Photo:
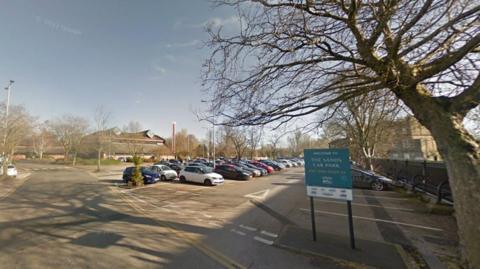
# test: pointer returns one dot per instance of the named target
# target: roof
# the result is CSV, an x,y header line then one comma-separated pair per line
x,y
142,137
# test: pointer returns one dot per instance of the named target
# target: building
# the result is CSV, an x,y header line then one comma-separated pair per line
x,y
113,143
409,140
116,144
412,141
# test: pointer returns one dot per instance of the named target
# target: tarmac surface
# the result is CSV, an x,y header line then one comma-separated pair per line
x,y
62,216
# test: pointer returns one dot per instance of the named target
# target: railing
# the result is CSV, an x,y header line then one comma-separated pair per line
x,y
419,183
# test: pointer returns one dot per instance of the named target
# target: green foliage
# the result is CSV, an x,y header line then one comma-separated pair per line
x,y
137,178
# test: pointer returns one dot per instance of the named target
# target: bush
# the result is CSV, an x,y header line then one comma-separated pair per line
x,y
137,178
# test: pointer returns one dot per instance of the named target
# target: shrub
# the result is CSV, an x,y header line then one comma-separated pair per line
x,y
137,178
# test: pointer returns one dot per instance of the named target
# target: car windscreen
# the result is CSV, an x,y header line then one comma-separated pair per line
x,y
147,170
165,168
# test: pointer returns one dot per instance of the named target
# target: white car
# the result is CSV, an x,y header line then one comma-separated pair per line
x,y
11,170
165,172
285,162
200,175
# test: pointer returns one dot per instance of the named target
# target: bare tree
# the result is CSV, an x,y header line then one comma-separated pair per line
x,y
15,129
69,131
41,139
254,136
236,135
366,122
274,144
297,142
103,134
291,58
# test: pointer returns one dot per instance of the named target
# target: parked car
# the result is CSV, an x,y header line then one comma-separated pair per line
x,y
276,166
368,179
200,175
262,165
285,162
166,173
11,170
176,167
263,171
149,176
255,171
232,172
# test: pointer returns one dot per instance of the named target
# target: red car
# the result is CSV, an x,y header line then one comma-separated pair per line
x,y
262,165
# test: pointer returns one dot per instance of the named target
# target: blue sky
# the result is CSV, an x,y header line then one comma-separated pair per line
x,y
140,59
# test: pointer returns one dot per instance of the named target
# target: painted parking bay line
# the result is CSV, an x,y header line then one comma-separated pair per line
x,y
247,227
218,256
263,240
238,232
261,195
376,220
269,234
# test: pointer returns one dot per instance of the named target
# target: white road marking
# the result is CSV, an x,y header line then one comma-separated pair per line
x,y
238,232
259,194
269,234
207,216
380,197
247,227
377,220
367,205
263,240
293,181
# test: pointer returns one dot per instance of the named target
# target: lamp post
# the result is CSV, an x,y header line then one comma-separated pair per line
x,y
213,131
5,125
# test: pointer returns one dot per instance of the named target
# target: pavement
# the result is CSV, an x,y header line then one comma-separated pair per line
x,y
81,219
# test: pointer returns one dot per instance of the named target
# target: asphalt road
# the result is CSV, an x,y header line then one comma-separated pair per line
x,y
64,217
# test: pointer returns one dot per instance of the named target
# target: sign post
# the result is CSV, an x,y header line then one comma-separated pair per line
x,y
328,175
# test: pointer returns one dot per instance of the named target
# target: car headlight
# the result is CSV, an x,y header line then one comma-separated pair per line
x,y
147,176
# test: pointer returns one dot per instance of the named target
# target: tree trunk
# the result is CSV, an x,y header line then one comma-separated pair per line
x,y
99,152
462,156
461,153
74,161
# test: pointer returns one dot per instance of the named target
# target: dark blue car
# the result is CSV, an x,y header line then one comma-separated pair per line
x,y
149,176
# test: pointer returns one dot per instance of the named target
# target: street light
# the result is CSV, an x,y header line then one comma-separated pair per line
x,y
5,124
213,131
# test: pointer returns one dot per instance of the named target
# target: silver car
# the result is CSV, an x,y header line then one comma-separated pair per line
x,y
166,173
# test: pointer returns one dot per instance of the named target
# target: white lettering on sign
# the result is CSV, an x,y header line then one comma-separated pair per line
x,y
336,193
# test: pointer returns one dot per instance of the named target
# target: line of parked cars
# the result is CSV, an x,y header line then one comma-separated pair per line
x,y
205,172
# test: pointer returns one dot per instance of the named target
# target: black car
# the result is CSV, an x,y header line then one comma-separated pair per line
x,y
276,166
176,167
368,179
232,172
149,176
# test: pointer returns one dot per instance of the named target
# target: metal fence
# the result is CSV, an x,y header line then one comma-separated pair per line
x,y
423,176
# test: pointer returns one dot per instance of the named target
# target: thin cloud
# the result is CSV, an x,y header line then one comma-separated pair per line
x,y
191,43
232,21
58,26
159,71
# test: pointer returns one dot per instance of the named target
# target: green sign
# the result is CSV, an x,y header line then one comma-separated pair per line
x,y
328,174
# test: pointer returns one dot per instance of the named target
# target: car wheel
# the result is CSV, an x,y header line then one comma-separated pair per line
x,y
163,178
207,182
182,179
377,186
